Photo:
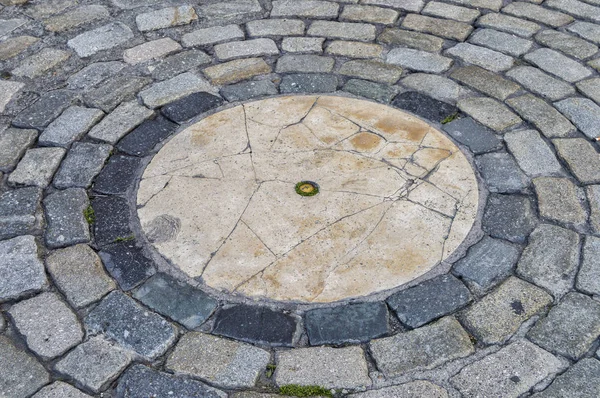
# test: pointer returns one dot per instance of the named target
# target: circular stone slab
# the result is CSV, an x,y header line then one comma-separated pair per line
x,y
395,197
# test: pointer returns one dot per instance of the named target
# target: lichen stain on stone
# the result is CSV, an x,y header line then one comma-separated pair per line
x,y
162,228
365,141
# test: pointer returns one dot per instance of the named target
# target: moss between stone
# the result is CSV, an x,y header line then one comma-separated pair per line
x,y
124,239
295,390
450,118
89,214
270,370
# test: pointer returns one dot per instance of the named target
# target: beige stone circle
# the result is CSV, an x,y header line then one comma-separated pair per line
x,y
396,197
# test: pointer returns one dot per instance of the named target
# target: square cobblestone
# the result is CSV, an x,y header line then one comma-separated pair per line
x,y
165,18
178,87
94,74
13,144
237,70
65,217
306,9
20,374
70,126
424,348
82,163
121,319
509,24
44,110
560,200
583,112
122,120
127,264
49,326
103,38
112,92
532,153
485,81
308,63
558,65
446,28
509,217
179,63
323,366
588,279
501,173
79,274
213,35
438,87
246,48
37,167
247,90
375,91
500,41
417,60
568,44
541,83
481,56
342,30
489,112
406,38
581,157
542,115
570,328
20,212
478,138
488,262
20,267
582,380
59,389
308,83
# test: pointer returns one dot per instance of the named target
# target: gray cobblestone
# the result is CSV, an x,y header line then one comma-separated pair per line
x,y
66,222
586,30
541,83
76,17
480,56
121,121
582,380
489,4
501,41
508,373
445,340
566,43
323,366
104,38
416,40
20,212
13,144
151,50
40,63
372,70
342,30
47,108
114,91
591,88
354,49
214,35
418,60
551,258
369,14
70,126
308,83
443,10
14,46
478,138
233,364
418,388
179,63
577,8
593,196
94,363
570,327
547,119
437,87
514,302
79,274
49,326
180,86
305,8
248,48
533,155
488,262
583,112
8,25
407,5
21,269
275,27
501,173
485,81
304,64
20,374
509,217
595,64
558,65
509,24
489,112
37,167
537,13
94,74
438,27
165,18
581,157
234,11
237,70
59,389
82,163
375,91
588,279
303,44
560,200
247,90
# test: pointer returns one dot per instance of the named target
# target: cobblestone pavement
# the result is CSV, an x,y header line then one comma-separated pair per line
x,y
89,89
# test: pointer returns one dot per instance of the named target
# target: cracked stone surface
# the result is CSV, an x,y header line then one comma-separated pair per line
x,y
259,236
91,90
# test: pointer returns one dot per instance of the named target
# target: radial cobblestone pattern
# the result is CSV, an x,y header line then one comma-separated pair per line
x,y
395,198
92,90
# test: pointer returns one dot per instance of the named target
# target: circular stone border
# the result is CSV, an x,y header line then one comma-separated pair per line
x,y
138,268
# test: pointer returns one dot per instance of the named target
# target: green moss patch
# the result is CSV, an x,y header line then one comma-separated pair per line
x,y
295,390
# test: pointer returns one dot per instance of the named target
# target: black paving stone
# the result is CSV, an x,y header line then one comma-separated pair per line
x,y
118,176
126,264
430,300
45,110
256,325
424,106
140,381
111,219
133,327
488,262
247,90
509,217
142,140
20,212
179,301
348,323
308,83
190,106
468,132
